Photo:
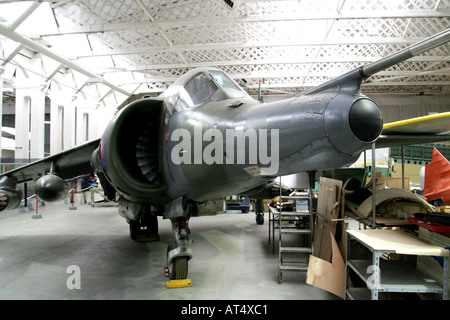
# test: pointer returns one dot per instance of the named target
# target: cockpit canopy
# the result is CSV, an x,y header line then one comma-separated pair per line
x,y
200,86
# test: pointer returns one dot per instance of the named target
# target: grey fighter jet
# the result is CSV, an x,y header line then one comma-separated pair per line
x,y
180,154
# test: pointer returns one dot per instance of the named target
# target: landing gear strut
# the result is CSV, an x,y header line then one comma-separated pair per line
x,y
179,251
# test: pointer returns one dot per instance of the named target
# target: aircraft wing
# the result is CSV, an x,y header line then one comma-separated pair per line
x,y
427,129
67,164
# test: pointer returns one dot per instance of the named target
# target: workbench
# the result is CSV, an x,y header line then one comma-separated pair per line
x,y
383,275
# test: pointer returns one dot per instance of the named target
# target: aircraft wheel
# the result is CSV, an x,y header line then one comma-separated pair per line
x,y
178,268
260,218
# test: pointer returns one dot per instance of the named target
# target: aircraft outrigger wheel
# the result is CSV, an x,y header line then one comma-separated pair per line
x,y
259,210
259,217
179,252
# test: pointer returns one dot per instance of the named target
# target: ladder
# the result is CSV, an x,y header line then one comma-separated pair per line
x,y
299,222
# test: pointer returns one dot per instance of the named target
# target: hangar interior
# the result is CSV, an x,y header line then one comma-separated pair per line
x,y
67,67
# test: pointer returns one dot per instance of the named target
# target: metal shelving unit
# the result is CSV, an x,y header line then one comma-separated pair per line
x,y
383,276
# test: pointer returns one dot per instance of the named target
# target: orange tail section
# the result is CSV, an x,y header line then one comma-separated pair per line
x,y
437,178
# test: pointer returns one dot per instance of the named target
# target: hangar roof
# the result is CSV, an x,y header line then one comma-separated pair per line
x,y
142,46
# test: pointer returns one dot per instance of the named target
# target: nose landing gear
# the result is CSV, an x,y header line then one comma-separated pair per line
x,y
179,252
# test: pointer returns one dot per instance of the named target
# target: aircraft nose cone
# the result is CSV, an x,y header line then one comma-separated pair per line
x,y
366,120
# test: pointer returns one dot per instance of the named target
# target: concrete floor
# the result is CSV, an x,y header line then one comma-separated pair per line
x,y
232,258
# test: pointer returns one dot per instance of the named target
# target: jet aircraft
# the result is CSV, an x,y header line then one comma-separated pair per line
x,y
180,154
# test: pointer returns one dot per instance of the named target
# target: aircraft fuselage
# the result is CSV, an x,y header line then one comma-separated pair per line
x,y
205,138
300,134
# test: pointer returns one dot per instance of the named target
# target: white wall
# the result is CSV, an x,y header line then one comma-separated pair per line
x,y
76,116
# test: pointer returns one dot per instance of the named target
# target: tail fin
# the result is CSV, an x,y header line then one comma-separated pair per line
x,y
352,80
437,178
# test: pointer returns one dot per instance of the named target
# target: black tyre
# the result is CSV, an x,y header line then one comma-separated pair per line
x,y
260,218
178,270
